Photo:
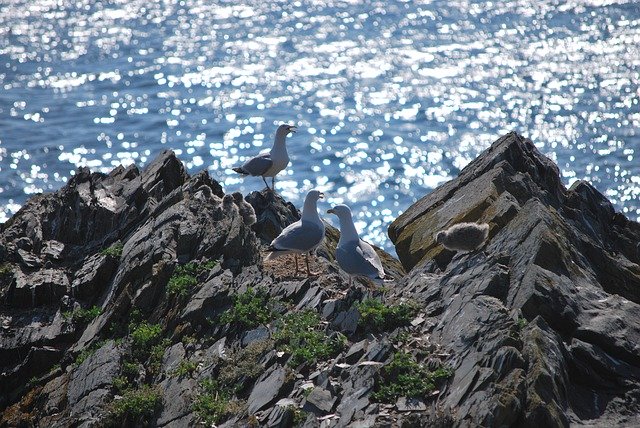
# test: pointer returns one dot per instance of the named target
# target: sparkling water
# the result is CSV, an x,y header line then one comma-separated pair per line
x,y
392,98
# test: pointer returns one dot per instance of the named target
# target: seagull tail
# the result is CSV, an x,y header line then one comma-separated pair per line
x,y
239,170
273,253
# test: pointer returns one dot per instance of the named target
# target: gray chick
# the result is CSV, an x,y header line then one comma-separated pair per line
x,y
464,237
246,210
228,205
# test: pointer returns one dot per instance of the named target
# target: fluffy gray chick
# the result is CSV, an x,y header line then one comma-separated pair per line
x,y
246,210
228,206
464,237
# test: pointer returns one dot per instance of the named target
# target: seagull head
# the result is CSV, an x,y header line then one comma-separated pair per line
x,y
440,236
314,195
285,129
237,196
342,211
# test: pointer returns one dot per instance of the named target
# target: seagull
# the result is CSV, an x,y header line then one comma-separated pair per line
x,y
463,237
355,257
246,210
271,163
303,236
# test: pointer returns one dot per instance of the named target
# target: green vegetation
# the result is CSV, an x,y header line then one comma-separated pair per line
x,y
214,403
144,337
121,384
243,366
82,316
186,367
115,250
250,309
377,317
184,277
299,334
138,405
404,377
299,416
5,270
521,323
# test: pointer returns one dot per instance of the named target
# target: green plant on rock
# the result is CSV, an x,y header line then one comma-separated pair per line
x,y
185,367
137,406
300,334
82,316
115,250
214,402
250,309
185,277
405,377
144,337
5,270
377,317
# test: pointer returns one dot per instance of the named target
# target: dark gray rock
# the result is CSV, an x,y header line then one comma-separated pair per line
x,y
356,351
89,389
256,335
267,389
43,287
320,401
93,277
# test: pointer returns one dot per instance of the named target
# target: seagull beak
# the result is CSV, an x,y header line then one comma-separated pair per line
x,y
321,195
293,129
330,211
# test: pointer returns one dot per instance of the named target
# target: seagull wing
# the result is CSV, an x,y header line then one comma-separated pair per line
x,y
299,236
369,255
257,165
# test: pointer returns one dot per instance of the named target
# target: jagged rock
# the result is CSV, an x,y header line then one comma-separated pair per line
x,y
89,389
405,404
93,277
539,327
43,287
267,388
556,257
319,401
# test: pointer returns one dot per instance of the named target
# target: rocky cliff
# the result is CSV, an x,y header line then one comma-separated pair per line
x,y
134,299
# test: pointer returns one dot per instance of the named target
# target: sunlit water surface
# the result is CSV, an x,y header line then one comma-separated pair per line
x,y
392,98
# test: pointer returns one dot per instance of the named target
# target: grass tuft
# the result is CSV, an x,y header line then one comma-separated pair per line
x,y
375,316
138,405
185,277
300,334
115,250
404,377
250,309
82,316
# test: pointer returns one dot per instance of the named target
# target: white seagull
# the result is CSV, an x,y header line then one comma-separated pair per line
x,y
303,236
271,163
355,257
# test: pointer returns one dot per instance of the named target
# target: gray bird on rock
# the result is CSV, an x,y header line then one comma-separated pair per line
x,y
355,257
246,210
463,237
271,163
303,236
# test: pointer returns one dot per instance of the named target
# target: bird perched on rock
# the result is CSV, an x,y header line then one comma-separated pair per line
x,y
246,210
271,163
464,237
229,206
355,257
303,236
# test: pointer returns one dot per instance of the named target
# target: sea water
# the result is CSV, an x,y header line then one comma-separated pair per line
x,y
392,98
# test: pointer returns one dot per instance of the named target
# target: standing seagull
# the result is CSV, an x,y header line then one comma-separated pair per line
x,y
463,237
246,209
355,256
303,236
271,163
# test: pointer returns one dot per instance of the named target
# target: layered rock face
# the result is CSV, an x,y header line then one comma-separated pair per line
x,y
135,299
543,323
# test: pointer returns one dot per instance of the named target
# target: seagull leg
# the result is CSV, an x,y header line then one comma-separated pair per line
x,y
265,182
295,256
273,183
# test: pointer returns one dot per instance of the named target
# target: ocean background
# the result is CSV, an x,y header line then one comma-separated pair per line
x,y
392,98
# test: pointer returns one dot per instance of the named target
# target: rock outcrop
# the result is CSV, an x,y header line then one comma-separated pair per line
x,y
135,299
